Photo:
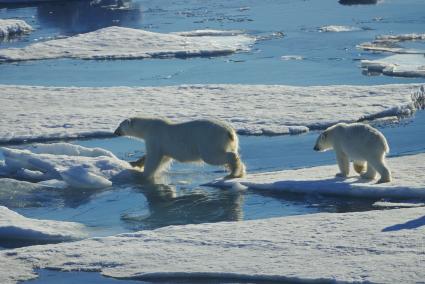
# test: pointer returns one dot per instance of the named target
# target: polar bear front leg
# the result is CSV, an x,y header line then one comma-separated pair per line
x,y
359,166
343,164
152,164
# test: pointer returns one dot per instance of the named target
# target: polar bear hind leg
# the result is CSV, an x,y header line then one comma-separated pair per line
x,y
382,169
359,166
236,167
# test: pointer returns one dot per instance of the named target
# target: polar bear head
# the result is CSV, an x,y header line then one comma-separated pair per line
x,y
323,142
140,127
126,128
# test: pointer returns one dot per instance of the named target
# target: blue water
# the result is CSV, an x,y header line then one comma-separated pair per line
x,y
329,58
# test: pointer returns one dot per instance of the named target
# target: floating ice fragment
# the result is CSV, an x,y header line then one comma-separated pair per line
x,y
12,27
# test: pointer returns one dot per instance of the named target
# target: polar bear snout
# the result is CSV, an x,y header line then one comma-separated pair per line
x,y
316,148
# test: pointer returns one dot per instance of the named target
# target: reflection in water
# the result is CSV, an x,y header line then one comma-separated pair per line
x,y
73,17
194,206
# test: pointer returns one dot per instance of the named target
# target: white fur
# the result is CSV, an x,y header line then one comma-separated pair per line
x,y
211,141
360,143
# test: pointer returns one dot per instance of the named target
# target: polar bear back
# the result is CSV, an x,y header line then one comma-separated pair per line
x,y
358,140
191,141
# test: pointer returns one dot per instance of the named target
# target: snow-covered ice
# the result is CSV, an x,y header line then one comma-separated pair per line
x,y
408,181
374,246
338,29
401,65
33,113
12,27
15,227
77,166
127,43
387,204
390,43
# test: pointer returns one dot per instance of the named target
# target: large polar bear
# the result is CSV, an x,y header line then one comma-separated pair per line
x,y
211,141
360,143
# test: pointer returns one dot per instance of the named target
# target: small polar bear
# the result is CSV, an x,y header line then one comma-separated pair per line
x,y
360,143
211,141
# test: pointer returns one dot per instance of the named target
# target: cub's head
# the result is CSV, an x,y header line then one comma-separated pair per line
x,y
125,128
323,142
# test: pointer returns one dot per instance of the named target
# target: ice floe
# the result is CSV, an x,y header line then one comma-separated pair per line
x,y
291,57
127,43
383,246
408,183
63,163
338,29
407,62
387,204
390,43
12,27
197,33
400,65
17,228
33,113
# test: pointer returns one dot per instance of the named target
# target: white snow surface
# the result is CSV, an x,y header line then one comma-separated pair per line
x,y
33,113
400,65
338,29
127,43
375,246
77,166
12,27
14,226
408,181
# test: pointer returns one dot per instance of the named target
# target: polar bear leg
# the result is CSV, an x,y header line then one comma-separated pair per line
x,y
370,173
343,164
382,169
140,163
153,164
237,168
359,166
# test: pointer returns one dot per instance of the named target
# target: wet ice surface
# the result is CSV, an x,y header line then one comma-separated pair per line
x,y
329,57
181,199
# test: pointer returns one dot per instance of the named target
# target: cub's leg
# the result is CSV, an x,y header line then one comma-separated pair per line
x,y
236,167
382,169
359,166
343,164
140,163
370,172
